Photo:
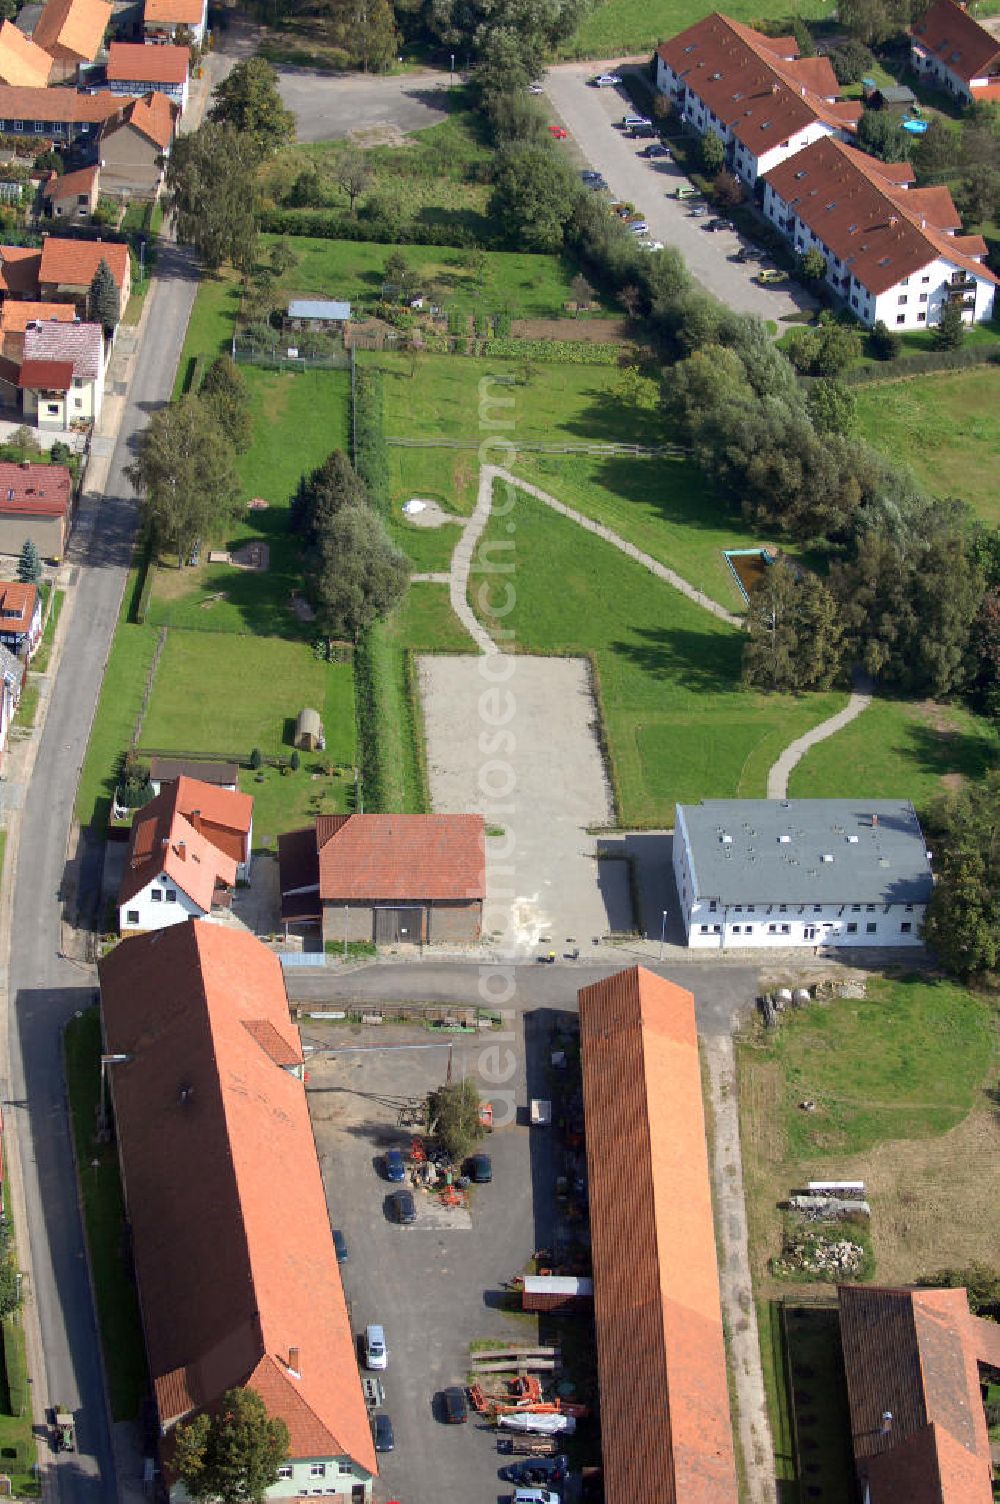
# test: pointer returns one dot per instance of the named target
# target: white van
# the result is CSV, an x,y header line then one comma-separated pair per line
x,y
636,122
376,1352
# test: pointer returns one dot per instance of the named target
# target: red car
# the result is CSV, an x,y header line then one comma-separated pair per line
x,y
559,132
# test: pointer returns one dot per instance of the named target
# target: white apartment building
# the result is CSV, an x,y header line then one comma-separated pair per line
x,y
952,51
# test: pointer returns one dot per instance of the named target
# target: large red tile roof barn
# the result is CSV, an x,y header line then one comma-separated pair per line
x,y
401,857
666,1433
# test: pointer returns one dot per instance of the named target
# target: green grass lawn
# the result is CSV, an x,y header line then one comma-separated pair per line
x,y
283,801
898,749
428,548
679,724
104,1221
213,318
298,418
618,27
40,661
224,695
947,427
117,709
904,1062
18,1448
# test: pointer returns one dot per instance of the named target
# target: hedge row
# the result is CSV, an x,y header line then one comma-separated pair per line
x,y
368,669
371,453
923,364
330,225
148,568
566,352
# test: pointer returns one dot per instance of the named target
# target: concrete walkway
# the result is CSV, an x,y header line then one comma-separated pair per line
x,y
861,698
738,1309
461,562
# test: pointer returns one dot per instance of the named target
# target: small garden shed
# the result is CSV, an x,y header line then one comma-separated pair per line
x,y
309,730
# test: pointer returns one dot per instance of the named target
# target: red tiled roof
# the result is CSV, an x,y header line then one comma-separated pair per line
x,y
163,841
957,41
36,490
231,1237
72,263
64,106
71,183
912,1354
17,605
762,93
134,62
22,61
881,232
661,1359
366,857
19,267
223,816
15,316
46,375
153,116
174,12
73,26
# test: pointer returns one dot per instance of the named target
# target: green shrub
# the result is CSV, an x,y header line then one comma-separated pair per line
x,y
557,351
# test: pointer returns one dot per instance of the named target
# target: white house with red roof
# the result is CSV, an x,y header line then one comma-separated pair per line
x,y
20,617
893,252
137,68
950,49
162,19
756,94
187,849
62,373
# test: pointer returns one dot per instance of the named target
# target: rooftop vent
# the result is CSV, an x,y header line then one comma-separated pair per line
x,y
784,840
828,856
726,839
852,840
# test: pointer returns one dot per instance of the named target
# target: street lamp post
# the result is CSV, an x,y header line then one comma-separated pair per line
x,y
452,80
663,933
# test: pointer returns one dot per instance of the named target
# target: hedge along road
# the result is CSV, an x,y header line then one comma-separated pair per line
x,y
592,117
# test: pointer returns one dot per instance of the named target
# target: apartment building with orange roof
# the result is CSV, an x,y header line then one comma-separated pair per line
x,y
230,1235
666,1432
893,252
950,49
755,93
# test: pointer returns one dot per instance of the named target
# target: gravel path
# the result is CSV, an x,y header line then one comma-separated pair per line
x,y
738,1307
861,698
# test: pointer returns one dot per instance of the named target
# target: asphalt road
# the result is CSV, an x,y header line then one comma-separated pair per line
x,y
593,118
328,106
45,990
720,992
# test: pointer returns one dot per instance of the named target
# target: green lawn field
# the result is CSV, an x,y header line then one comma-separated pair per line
x,y
679,724
222,695
117,709
947,427
620,27
898,749
299,417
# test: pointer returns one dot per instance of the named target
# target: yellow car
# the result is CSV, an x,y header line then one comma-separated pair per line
x,y
771,274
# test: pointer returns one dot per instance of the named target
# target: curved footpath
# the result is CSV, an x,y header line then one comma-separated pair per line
x,y
861,698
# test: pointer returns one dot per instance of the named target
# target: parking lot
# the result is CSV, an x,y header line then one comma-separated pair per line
x,y
435,1286
592,117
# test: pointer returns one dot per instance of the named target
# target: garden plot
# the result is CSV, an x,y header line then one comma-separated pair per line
x,y
538,779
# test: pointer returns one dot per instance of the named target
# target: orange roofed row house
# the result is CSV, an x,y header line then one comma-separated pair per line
x,y
666,1433
230,1235
755,93
187,849
950,49
71,32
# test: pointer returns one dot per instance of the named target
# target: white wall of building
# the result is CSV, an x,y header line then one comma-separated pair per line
x,y
156,913
913,303
329,1477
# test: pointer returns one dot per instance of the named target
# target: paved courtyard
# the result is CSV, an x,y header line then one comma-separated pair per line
x,y
524,754
329,106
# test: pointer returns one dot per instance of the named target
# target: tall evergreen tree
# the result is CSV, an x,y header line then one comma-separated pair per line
x,y
29,565
795,636
104,301
248,100
356,574
325,492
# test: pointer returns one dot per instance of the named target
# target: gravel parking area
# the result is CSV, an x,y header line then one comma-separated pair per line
x,y
328,106
592,117
540,789
432,1285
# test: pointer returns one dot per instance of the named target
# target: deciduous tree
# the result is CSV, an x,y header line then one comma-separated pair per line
x,y
534,195
324,492
356,574
248,100
373,36
211,190
234,1455
225,390
963,922
712,153
881,135
454,1114
832,406
353,173
185,474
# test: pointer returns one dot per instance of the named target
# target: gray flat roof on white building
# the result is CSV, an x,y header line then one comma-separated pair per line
x,y
806,851
318,308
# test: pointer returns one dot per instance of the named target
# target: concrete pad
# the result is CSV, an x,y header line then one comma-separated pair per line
x,y
514,739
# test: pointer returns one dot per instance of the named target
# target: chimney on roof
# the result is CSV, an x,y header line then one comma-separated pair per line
x,y
196,820
182,850
893,221
25,464
802,90
923,221
293,1362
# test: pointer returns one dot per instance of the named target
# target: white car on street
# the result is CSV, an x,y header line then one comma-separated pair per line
x,y
606,81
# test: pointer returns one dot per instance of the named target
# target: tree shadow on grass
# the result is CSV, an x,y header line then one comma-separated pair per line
x,y
704,662
942,751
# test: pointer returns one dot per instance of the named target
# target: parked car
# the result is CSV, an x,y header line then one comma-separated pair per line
x,y
655,149
686,190
588,175
558,132
639,227
699,211
340,1245
747,253
382,1432
402,1207
395,1168
770,275
480,1169
718,224
454,1405
376,1352
635,122
535,1496
538,1471
606,81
